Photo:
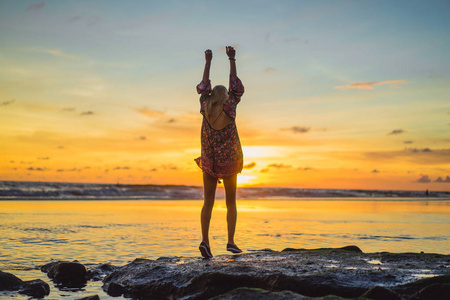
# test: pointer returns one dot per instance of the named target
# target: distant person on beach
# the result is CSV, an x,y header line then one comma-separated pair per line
x,y
221,148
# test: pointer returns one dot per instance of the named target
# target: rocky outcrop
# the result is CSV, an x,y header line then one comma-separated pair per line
x,y
66,274
344,272
35,288
9,282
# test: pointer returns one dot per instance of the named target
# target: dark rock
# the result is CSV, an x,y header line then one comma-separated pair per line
x,y
115,289
94,297
414,289
36,288
258,294
346,248
9,282
352,248
68,274
327,272
380,293
436,291
45,268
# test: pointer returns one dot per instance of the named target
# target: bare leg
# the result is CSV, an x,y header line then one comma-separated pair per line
x,y
230,192
209,189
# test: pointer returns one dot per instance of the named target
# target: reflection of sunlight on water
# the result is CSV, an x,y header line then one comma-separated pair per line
x,y
35,232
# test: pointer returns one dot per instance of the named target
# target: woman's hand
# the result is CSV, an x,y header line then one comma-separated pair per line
x,y
208,56
230,52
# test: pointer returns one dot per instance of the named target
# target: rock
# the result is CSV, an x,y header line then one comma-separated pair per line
x,y
68,274
346,248
352,248
436,291
380,293
94,297
9,282
115,289
258,294
326,272
418,289
36,288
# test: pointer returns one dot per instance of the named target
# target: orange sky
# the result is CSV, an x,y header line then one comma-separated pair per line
x,y
337,96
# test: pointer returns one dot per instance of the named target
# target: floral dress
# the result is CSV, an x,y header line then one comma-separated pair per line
x,y
221,149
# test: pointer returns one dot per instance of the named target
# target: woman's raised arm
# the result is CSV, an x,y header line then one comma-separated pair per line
x,y
208,58
231,56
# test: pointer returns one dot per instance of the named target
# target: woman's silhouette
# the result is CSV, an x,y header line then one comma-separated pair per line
x,y
221,149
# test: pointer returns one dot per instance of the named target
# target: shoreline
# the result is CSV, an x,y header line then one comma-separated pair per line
x,y
342,272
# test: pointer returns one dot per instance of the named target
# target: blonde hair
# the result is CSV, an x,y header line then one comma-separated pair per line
x,y
218,96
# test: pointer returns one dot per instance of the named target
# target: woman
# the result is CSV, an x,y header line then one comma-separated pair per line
x,y
221,149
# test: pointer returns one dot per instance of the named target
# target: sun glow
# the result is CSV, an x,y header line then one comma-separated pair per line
x,y
244,180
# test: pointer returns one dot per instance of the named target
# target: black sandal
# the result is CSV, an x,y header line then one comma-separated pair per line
x,y
205,251
233,248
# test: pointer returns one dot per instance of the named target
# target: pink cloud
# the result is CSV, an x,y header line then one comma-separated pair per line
x,y
370,85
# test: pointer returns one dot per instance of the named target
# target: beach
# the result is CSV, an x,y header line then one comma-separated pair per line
x,y
35,233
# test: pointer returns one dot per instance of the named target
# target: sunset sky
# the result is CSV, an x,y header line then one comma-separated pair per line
x,y
339,94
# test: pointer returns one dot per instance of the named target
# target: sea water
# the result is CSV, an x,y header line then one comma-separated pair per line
x,y
33,233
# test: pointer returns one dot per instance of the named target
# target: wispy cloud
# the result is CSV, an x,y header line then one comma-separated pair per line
x,y
87,113
149,112
250,165
370,85
408,142
298,129
121,168
69,170
396,131
275,166
35,6
375,171
7,102
56,52
37,169
270,70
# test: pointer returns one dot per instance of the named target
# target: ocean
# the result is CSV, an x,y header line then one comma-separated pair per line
x,y
97,230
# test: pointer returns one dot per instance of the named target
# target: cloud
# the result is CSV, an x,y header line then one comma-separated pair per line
x,y
68,109
86,113
60,147
408,142
298,129
396,131
37,169
375,171
171,121
270,70
250,165
8,102
149,112
304,169
424,179
275,166
279,166
142,138
415,150
44,158
56,52
439,179
121,168
35,6
169,167
369,85
69,170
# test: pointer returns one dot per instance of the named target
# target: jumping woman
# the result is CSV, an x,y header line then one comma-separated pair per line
x,y
221,148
